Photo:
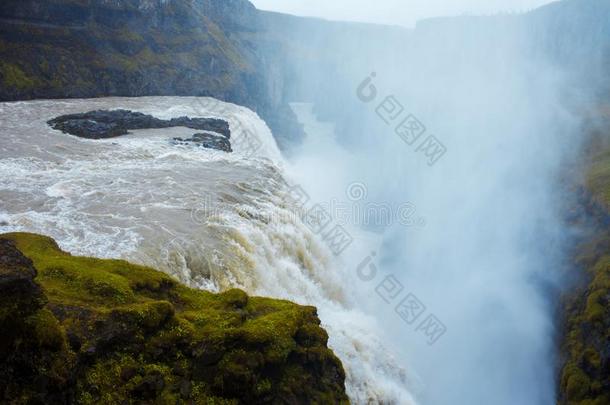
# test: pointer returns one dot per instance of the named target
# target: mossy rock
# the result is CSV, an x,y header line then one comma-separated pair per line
x,y
108,331
14,77
598,178
585,373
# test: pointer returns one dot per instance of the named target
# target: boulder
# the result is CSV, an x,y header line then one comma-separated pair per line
x,y
207,140
103,124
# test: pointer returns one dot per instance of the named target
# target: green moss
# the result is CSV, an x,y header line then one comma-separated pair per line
x,y
14,77
585,375
142,337
148,316
226,48
587,328
595,310
179,53
137,381
577,384
598,178
47,330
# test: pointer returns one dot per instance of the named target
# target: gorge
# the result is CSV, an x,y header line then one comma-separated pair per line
x,y
439,194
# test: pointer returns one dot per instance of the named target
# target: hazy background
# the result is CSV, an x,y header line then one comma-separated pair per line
x,y
386,11
488,262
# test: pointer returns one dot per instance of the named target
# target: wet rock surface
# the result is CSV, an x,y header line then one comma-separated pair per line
x,y
207,140
108,124
104,124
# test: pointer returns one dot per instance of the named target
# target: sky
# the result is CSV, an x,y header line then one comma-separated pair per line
x,y
399,12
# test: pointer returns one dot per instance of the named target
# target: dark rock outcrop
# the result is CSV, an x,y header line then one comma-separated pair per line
x,y
103,124
108,124
22,295
208,141
32,347
107,331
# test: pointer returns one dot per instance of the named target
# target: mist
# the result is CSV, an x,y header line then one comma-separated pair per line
x,y
415,198
463,294
399,12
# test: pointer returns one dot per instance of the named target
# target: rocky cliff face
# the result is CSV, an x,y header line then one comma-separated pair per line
x,y
88,331
92,48
334,57
229,50
585,333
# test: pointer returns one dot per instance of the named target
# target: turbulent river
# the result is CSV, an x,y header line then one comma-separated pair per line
x,y
212,220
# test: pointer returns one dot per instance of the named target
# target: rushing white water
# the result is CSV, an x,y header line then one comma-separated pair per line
x,y
472,121
211,219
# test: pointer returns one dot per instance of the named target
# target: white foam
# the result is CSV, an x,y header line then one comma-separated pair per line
x,y
211,219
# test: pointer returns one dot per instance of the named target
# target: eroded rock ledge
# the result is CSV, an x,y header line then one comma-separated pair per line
x,y
103,124
88,331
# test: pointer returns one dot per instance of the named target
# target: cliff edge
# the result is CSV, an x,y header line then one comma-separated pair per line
x,y
89,331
